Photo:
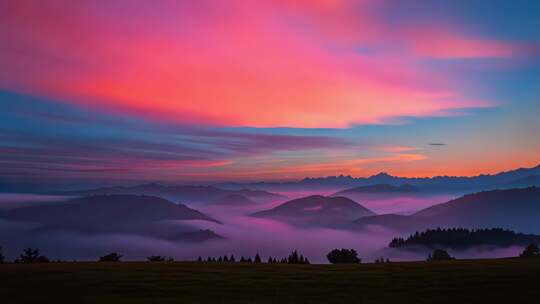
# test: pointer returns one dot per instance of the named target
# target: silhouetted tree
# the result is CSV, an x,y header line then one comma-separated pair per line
x,y
225,259
220,259
111,257
249,260
232,259
156,258
270,260
343,256
2,257
242,259
295,258
257,258
439,255
30,255
199,259
531,251
209,259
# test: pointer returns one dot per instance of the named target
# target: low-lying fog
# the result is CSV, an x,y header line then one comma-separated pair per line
x,y
243,236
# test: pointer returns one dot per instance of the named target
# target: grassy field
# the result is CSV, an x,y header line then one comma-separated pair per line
x,y
478,281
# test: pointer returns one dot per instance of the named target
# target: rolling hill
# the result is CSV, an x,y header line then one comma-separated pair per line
x,y
133,214
317,210
189,194
515,209
233,200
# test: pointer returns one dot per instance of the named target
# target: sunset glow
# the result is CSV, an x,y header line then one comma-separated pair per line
x,y
179,91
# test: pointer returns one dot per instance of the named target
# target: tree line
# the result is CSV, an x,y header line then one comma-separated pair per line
x,y
464,238
336,256
293,258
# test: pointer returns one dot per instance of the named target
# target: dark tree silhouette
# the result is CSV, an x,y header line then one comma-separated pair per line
x,y
111,257
2,257
199,259
439,255
242,259
531,251
343,256
30,255
382,260
257,259
464,238
232,259
157,258
295,258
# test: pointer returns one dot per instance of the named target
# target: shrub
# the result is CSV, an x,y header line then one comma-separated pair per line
x,y
439,255
30,255
156,258
531,251
343,256
111,257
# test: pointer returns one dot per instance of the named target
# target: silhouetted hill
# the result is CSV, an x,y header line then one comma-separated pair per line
x,y
396,222
516,209
317,210
190,194
379,188
515,178
233,200
533,180
146,215
460,238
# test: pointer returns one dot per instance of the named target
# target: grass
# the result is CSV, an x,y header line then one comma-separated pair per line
x,y
465,281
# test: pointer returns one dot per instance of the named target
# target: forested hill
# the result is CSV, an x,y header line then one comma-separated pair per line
x,y
460,238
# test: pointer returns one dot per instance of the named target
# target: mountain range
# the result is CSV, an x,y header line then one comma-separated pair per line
x,y
523,177
379,188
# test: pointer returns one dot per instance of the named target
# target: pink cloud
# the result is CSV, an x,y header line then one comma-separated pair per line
x,y
230,63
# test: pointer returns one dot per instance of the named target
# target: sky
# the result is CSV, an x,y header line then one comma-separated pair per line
x,y
116,92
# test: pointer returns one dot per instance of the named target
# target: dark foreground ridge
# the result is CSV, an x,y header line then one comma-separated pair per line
x,y
458,281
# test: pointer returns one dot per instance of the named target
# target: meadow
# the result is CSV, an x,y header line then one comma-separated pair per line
x,y
461,281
